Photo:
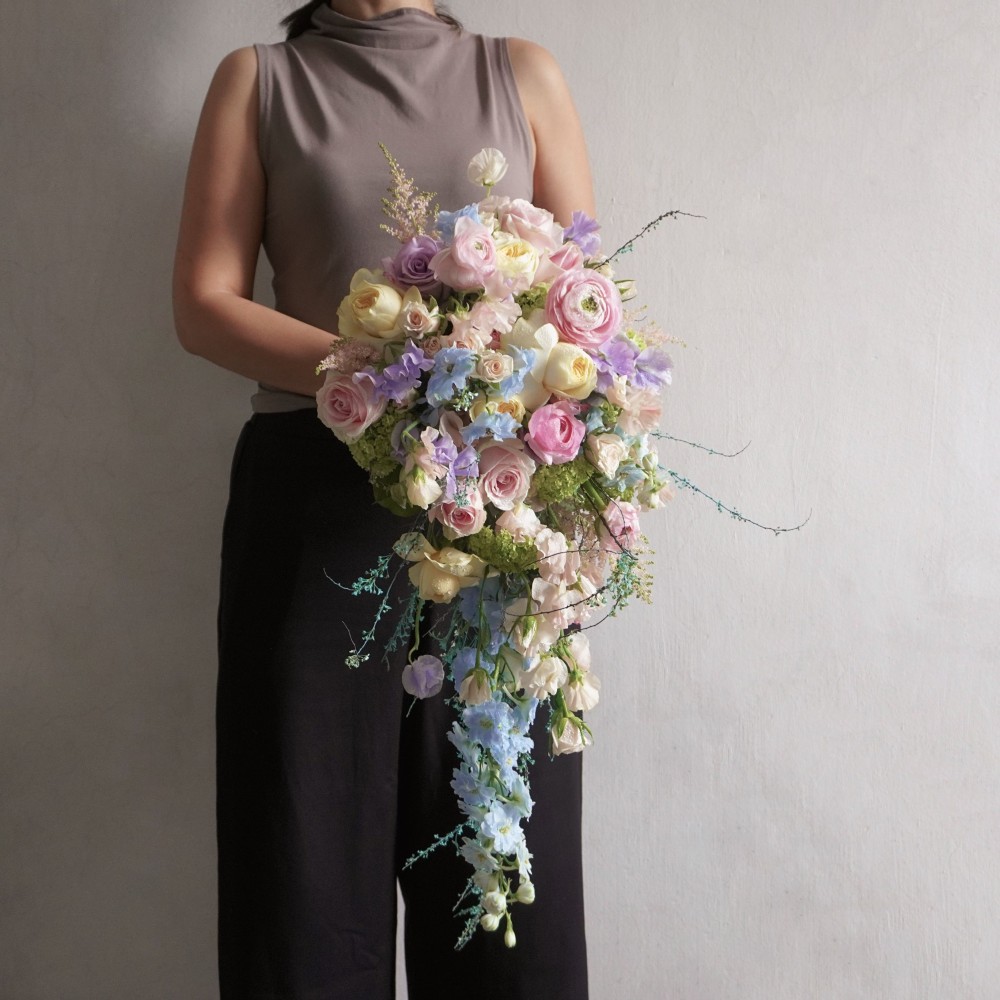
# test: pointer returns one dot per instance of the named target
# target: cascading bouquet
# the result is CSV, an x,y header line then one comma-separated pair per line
x,y
492,383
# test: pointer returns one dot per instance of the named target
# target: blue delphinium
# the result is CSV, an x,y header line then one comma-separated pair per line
x,y
445,222
453,367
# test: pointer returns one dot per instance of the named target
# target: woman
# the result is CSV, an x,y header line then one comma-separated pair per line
x,y
325,783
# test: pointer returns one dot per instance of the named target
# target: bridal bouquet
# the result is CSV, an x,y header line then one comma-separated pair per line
x,y
491,381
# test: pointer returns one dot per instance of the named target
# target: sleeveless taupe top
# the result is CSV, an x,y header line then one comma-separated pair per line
x,y
434,94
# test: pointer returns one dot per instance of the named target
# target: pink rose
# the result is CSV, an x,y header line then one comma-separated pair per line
x,y
348,407
460,520
585,307
620,527
527,221
505,473
471,259
554,433
569,257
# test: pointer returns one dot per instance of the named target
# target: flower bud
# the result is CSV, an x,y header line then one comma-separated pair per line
x,y
489,921
508,937
525,892
495,902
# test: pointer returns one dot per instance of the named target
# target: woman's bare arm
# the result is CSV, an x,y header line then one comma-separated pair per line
x,y
562,172
220,233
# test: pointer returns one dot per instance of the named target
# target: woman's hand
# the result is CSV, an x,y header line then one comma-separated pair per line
x,y
220,232
562,178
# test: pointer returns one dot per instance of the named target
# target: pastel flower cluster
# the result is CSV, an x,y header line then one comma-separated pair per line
x,y
491,381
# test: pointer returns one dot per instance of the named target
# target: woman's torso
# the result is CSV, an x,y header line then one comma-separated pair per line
x,y
433,94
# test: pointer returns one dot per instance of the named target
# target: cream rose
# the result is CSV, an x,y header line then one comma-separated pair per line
x,y
570,371
439,574
415,319
494,366
517,261
606,452
370,311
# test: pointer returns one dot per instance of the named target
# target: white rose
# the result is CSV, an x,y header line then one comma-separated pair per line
x,y
606,452
487,167
415,319
570,371
571,737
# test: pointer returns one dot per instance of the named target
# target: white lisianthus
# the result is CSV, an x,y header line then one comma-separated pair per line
x,y
487,167
606,452
489,921
570,371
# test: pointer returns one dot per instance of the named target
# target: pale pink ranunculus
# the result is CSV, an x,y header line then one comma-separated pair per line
x,y
554,433
520,522
641,410
459,520
558,560
505,472
531,223
348,407
585,307
470,260
568,257
620,526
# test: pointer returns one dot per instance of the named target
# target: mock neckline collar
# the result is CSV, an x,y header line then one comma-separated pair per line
x,y
402,28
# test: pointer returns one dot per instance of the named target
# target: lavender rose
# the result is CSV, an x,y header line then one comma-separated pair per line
x,y
411,267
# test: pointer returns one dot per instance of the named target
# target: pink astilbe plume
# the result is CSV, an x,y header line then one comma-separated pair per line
x,y
406,204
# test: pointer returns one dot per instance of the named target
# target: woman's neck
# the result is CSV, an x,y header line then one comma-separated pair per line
x,y
365,10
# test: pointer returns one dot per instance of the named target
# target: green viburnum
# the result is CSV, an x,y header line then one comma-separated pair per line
x,y
554,483
498,548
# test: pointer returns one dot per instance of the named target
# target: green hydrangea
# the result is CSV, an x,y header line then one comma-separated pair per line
x,y
373,451
534,298
554,483
499,549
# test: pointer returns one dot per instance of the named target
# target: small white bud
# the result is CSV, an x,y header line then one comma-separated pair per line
x,y
508,938
495,902
489,921
525,892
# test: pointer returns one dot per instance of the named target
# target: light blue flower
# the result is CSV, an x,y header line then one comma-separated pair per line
x,y
452,368
502,825
499,426
445,222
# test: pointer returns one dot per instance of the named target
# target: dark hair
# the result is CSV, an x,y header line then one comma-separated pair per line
x,y
299,20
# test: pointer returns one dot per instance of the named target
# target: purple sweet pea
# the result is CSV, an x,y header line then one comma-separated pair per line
x,y
617,357
653,369
423,677
583,232
411,266
398,380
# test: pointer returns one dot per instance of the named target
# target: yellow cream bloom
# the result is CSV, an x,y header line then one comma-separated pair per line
x,y
370,311
570,371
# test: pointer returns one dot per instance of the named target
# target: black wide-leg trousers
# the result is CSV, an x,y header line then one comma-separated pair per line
x,y
328,779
